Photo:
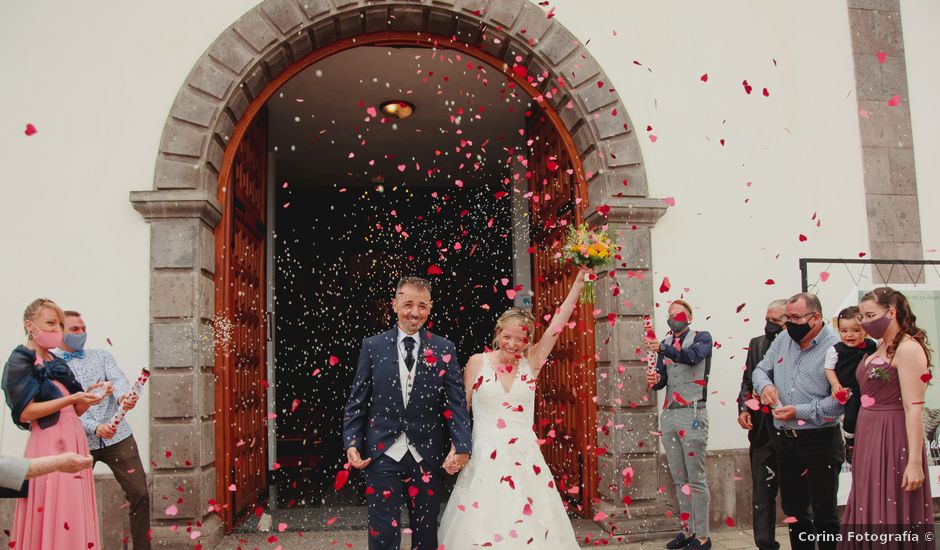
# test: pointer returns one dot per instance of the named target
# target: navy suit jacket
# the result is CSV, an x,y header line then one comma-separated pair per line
x,y
437,409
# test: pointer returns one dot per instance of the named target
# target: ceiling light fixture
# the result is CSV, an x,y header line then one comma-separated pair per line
x,y
397,108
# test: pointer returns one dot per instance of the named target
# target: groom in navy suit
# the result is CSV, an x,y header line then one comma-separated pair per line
x,y
407,415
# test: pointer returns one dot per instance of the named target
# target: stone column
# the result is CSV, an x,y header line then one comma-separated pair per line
x,y
887,145
182,386
631,471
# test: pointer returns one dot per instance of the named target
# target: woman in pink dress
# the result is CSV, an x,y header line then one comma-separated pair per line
x,y
45,398
890,494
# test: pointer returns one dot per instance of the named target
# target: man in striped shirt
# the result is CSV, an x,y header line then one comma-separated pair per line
x,y
792,381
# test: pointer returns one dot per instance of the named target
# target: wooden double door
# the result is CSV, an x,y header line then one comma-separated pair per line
x,y
241,330
566,415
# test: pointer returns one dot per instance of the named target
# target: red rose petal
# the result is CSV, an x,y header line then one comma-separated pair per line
x,y
341,477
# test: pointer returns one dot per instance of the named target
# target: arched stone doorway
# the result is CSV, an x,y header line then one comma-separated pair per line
x,y
183,212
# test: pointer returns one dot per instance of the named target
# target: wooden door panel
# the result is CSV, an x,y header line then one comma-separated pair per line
x,y
565,410
241,369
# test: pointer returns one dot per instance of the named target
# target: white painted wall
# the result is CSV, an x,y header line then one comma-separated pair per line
x,y
98,78
800,149
921,44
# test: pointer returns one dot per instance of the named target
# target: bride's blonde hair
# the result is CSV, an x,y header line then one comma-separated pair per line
x,y
514,316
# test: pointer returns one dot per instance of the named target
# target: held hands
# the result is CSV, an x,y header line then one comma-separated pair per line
x,y
652,346
355,460
455,461
653,378
913,477
105,431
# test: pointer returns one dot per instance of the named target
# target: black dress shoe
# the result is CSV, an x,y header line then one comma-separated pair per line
x,y
695,544
681,541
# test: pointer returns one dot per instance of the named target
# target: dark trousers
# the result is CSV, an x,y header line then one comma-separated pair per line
x,y
764,492
124,460
808,465
388,483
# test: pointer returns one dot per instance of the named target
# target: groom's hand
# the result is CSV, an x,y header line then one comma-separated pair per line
x,y
355,460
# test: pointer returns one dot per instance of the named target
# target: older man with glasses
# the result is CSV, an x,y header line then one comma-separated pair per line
x,y
791,380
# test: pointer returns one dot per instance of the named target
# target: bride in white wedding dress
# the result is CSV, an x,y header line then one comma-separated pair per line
x,y
506,497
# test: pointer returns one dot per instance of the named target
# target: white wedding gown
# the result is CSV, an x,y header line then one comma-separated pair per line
x,y
505,497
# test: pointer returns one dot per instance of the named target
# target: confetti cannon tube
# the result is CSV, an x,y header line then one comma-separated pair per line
x,y
649,334
135,390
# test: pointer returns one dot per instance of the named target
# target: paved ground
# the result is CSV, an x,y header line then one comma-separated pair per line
x,y
725,539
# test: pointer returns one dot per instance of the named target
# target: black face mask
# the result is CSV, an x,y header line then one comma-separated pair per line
x,y
771,330
797,331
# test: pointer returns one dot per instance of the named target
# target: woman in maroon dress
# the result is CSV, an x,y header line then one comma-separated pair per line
x,y
890,498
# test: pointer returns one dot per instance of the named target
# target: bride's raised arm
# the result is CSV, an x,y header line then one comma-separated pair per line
x,y
543,348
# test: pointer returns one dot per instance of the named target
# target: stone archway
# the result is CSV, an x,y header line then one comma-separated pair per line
x,y
183,212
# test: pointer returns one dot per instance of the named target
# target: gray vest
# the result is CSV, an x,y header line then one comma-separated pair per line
x,y
680,378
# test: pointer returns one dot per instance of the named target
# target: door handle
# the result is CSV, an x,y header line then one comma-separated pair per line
x,y
269,325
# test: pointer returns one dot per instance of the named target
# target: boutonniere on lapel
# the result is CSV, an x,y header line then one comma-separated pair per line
x,y
431,360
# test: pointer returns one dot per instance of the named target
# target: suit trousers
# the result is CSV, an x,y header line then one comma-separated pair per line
x,y
685,437
388,483
808,466
124,460
764,486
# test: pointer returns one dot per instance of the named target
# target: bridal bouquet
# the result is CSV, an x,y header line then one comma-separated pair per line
x,y
590,248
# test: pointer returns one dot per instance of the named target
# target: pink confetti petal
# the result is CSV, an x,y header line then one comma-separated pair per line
x,y
686,489
824,276
670,201
867,400
894,101
752,404
171,510
882,57
30,130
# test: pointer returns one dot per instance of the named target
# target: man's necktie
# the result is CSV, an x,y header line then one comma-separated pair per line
x,y
677,343
409,352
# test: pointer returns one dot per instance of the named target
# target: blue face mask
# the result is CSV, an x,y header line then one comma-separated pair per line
x,y
76,340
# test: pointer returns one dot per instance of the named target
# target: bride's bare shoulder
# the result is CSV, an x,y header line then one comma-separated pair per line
x,y
474,362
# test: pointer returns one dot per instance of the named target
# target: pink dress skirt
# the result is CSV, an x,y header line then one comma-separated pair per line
x,y
60,511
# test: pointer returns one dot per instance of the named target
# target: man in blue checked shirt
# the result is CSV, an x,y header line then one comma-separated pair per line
x,y
115,447
792,381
